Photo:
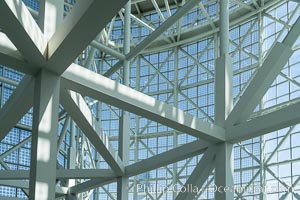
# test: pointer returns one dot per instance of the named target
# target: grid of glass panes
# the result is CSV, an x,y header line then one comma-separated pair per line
x,y
281,169
192,19
244,49
19,158
281,150
155,76
34,4
195,75
283,89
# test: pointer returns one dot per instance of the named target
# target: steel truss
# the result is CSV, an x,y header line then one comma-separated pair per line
x,y
64,94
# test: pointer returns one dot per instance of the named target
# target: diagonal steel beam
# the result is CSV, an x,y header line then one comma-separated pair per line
x,y
82,115
81,26
89,185
11,57
14,148
17,105
23,31
200,174
264,77
106,90
153,154
264,124
166,158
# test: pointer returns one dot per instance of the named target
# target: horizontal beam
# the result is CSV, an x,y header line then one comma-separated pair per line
x,y
17,105
154,35
77,108
264,124
14,174
61,174
23,31
25,185
83,23
11,198
177,154
109,91
85,174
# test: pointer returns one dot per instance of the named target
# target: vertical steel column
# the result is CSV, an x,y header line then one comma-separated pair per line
x,y
72,151
99,114
175,137
45,114
224,172
124,138
223,71
50,15
72,158
44,137
137,128
2,88
223,105
262,195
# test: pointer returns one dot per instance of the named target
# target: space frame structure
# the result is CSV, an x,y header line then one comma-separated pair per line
x,y
118,99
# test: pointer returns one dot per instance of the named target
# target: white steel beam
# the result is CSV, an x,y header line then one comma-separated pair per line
x,y
107,50
89,185
224,172
45,113
11,57
124,121
14,174
83,23
77,108
106,90
17,105
51,13
202,171
44,136
223,106
11,198
85,173
14,148
264,124
223,70
23,31
264,77
61,174
63,132
25,185
154,35
179,153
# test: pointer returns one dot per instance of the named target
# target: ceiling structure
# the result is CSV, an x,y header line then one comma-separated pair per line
x,y
83,71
